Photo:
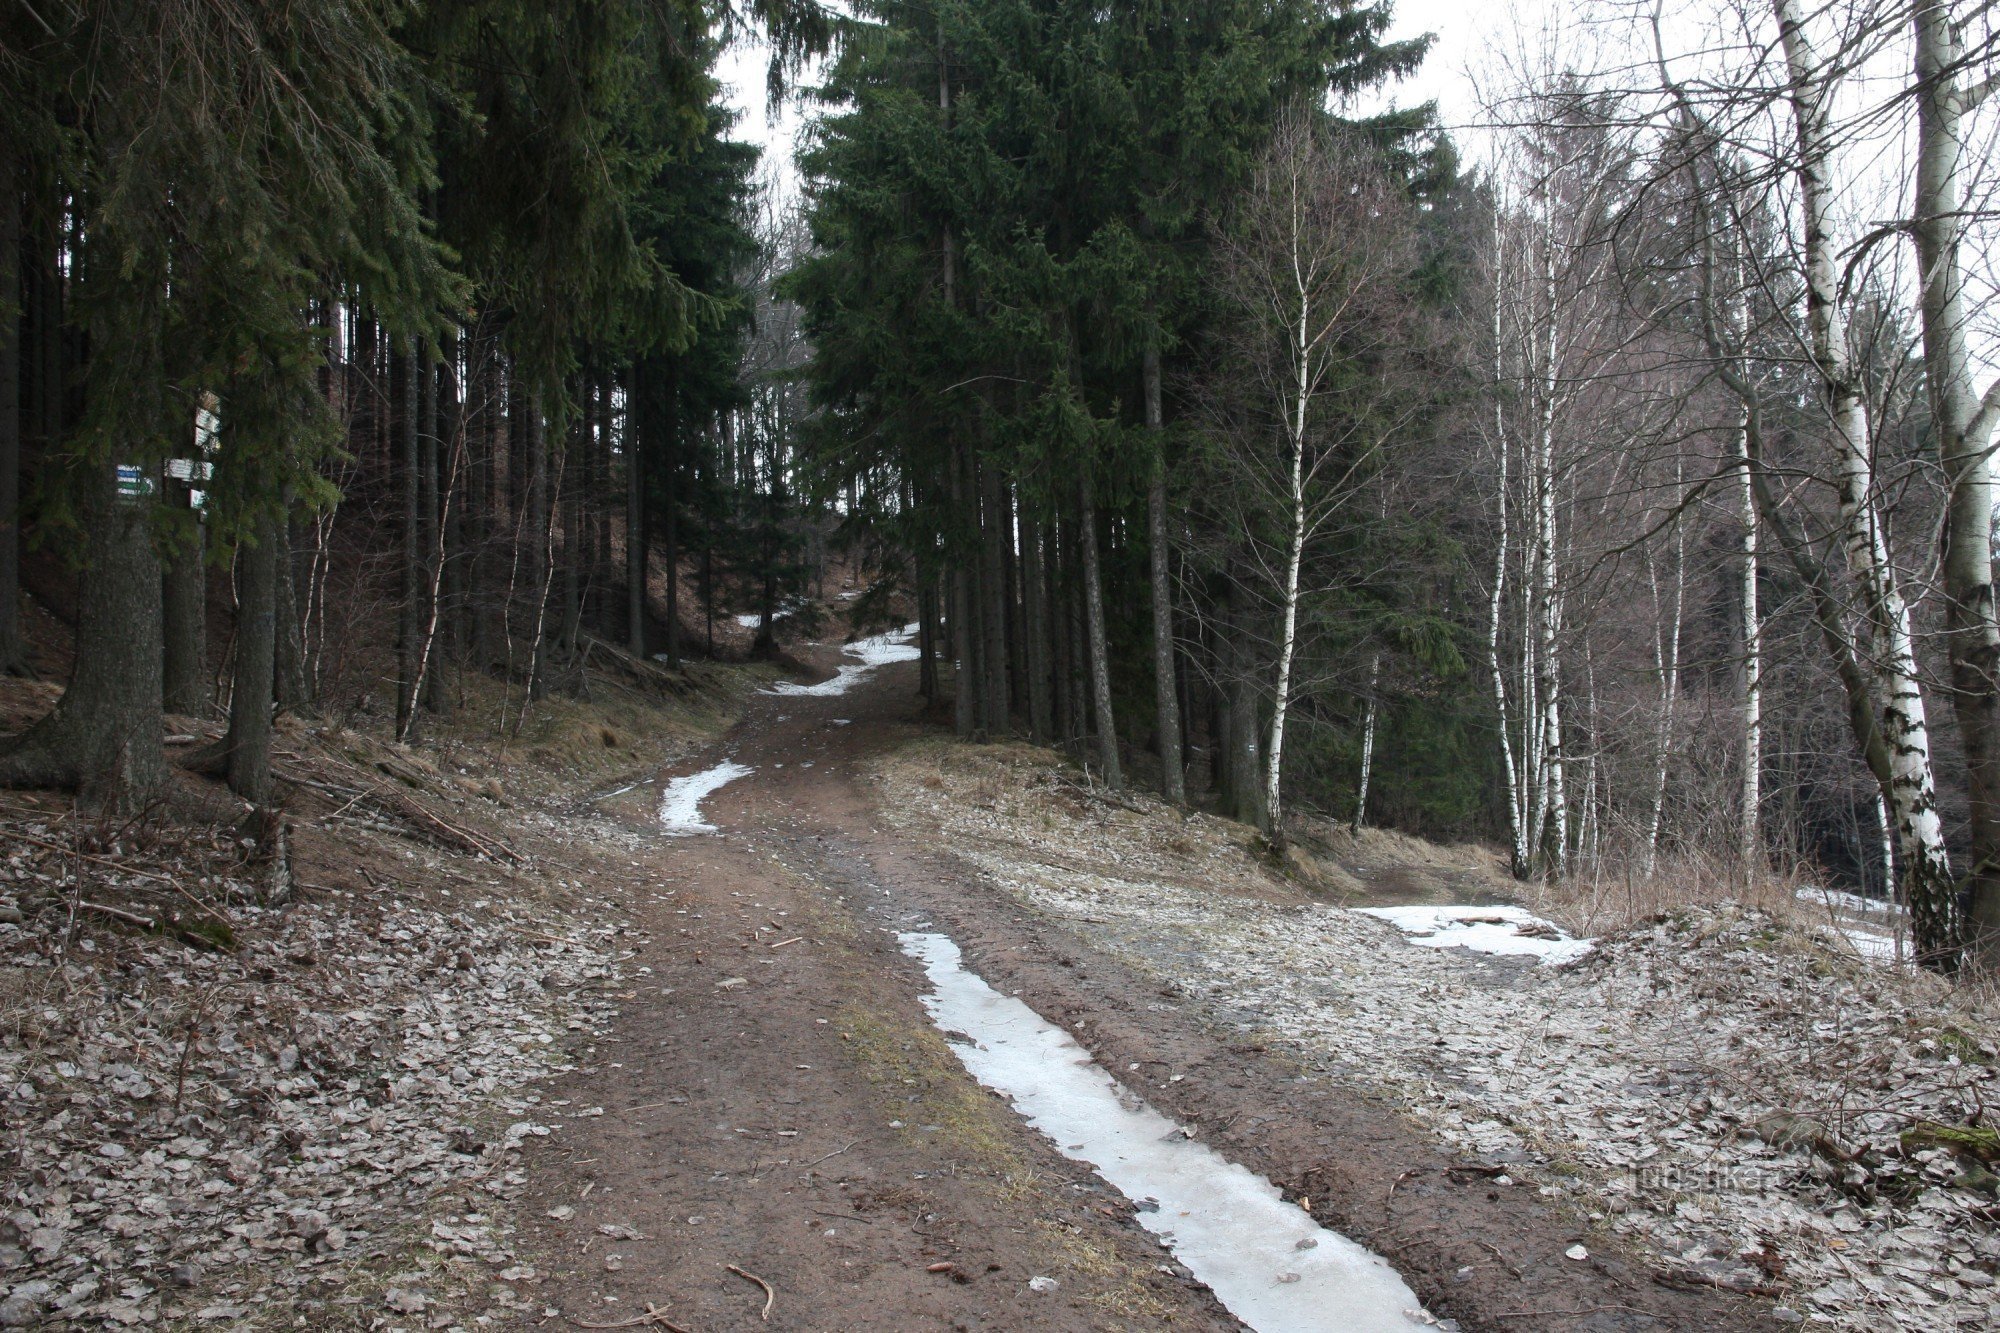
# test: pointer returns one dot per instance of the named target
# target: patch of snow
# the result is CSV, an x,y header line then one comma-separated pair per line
x,y
1267,1261
680,803
1879,948
877,651
1840,900
750,619
1496,930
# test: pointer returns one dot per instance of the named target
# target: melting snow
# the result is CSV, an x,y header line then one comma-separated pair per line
x,y
1848,902
1496,930
1266,1260
880,650
680,803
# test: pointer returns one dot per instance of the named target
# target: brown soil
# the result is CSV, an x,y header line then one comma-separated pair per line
x,y
774,1098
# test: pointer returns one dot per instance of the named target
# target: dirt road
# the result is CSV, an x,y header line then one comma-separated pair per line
x,y
775,1101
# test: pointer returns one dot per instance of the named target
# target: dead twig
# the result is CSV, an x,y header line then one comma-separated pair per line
x,y
1495,1252
835,1153
118,866
131,918
654,1317
770,1293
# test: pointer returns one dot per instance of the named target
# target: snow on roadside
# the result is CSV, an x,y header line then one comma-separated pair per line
x,y
680,800
876,651
1724,1089
1275,1268
1499,929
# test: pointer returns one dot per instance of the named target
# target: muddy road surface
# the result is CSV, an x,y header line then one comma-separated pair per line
x,y
776,1136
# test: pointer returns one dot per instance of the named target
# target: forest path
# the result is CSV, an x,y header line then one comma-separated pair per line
x,y
774,1098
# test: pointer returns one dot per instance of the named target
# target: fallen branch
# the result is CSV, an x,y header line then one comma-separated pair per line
x,y
770,1294
131,918
653,1317
835,1153
411,810
167,880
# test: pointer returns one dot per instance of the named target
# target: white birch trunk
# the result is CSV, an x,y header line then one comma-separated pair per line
x,y
1963,423
1667,666
1751,830
1548,590
1367,744
1274,756
1911,792
1517,824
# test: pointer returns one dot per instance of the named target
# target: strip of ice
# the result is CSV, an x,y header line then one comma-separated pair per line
x,y
877,651
1273,1267
1496,930
680,803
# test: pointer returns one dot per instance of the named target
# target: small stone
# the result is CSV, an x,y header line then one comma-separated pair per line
x,y
1784,1314
1576,1252
613,1262
1042,1284
562,1212
16,1312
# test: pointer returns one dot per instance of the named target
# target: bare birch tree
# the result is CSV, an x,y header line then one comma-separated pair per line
x,y
1314,266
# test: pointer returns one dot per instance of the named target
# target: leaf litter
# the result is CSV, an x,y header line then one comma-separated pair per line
x,y
236,1138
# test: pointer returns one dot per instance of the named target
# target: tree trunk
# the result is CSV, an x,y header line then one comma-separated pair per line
x,y
1274,756
993,609
1551,826
184,612
291,685
1166,690
635,519
538,533
409,620
1367,743
1911,791
427,489
1750,826
247,746
1093,606
1062,642
1245,766
1517,795
966,708
1667,668
103,737
13,653
1964,426
670,512
482,407
1035,612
